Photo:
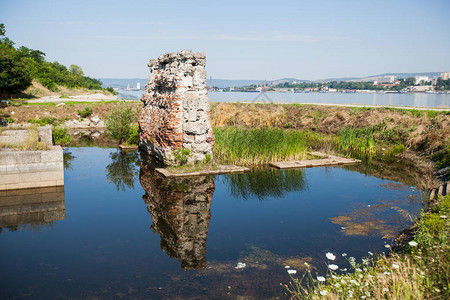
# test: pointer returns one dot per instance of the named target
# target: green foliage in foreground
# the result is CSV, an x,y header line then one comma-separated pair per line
x,y
259,145
264,145
85,112
61,136
365,142
45,121
120,122
421,272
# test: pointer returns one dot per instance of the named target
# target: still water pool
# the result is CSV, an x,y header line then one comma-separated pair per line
x,y
118,230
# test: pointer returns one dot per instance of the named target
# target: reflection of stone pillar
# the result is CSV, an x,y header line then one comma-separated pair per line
x,y
176,112
32,206
180,212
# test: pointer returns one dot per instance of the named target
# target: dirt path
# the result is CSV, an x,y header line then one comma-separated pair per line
x,y
79,98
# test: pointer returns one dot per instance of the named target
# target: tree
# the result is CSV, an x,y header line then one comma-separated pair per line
x,y
36,55
14,75
410,81
119,122
76,70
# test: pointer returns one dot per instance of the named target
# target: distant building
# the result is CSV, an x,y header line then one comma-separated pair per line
x,y
445,76
385,79
388,85
419,79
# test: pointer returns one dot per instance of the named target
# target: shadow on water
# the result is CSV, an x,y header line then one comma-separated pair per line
x,y
31,209
265,182
180,213
123,169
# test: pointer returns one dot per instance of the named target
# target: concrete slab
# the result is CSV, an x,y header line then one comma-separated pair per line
x,y
324,160
223,169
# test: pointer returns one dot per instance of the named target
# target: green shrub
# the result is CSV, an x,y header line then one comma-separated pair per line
x,y
442,157
61,136
86,112
134,135
10,120
207,158
399,148
111,90
181,156
44,121
119,122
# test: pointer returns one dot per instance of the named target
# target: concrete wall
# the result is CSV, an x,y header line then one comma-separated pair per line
x,y
17,135
30,169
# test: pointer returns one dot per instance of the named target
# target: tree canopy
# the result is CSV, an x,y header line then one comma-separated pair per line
x,y
19,66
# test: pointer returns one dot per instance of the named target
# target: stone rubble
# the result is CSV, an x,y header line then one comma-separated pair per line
x,y
176,112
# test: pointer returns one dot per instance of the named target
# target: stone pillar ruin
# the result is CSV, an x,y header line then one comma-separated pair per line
x,y
176,112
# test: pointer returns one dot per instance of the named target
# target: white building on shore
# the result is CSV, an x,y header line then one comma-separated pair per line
x,y
445,76
419,79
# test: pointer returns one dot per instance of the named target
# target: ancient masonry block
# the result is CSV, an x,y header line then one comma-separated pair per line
x,y
176,112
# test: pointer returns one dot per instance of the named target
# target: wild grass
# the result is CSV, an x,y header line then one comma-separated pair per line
x,y
258,145
32,141
254,115
422,271
360,141
45,121
366,141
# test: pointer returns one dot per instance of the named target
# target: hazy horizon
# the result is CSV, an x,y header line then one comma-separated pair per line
x,y
270,40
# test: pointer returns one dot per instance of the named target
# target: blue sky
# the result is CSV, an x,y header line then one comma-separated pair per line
x,y
242,39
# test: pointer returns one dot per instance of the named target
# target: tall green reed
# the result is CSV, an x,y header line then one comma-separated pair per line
x,y
258,145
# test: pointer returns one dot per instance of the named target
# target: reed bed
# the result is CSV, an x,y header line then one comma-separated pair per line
x,y
359,141
258,145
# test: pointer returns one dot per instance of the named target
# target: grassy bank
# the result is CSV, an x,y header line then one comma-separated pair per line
x,y
355,131
422,271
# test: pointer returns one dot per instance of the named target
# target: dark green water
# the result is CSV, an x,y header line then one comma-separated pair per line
x,y
118,230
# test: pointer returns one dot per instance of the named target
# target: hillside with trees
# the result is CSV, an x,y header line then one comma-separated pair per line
x,y
19,66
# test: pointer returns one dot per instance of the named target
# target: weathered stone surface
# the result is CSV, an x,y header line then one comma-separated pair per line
x,y
176,107
27,169
180,212
17,135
